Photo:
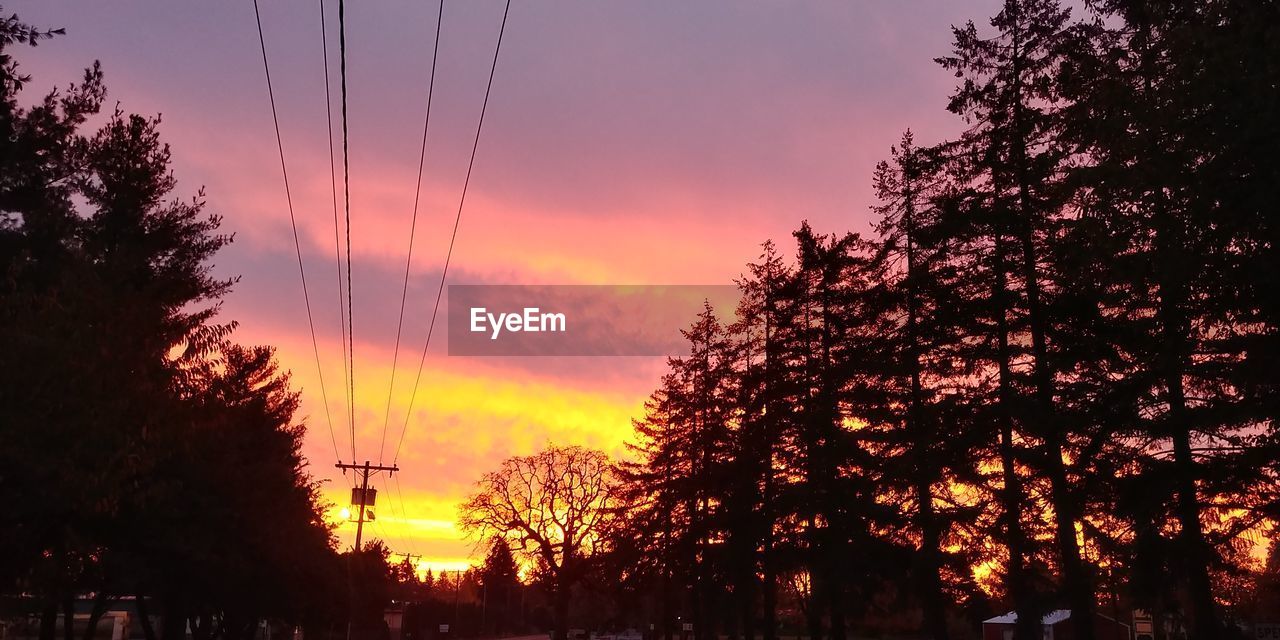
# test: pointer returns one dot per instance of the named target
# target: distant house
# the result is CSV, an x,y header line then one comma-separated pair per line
x,y
1056,625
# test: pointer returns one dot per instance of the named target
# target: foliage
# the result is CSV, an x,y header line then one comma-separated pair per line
x,y
1040,382
554,506
144,454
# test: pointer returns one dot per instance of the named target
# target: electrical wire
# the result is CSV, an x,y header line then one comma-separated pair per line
x,y
297,245
337,250
413,226
400,538
404,517
346,200
386,535
454,235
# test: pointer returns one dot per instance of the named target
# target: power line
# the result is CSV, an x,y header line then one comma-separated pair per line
x,y
400,537
413,226
337,258
346,200
404,517
454,236
389,537
333,190
297,245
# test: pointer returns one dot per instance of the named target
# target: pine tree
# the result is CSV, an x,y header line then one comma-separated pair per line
x,y
500,578
1161,137
910,345
678,481
141,445
765,418
1010,95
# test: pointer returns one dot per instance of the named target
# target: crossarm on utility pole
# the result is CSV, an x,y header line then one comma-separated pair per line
x,y
364,470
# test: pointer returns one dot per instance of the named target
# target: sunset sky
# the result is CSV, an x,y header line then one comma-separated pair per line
x,y
625,142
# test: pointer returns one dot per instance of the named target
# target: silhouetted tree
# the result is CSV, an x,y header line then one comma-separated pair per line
x,y
834,495
141,448
501,580
1010,96
555,507
1053,346
765,418
912,379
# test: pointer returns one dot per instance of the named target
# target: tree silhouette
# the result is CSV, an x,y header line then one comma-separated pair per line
x,y
1010,95
554,506
501,580
145,454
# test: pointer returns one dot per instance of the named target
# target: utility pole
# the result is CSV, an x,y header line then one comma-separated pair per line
x,y
362,497
408,557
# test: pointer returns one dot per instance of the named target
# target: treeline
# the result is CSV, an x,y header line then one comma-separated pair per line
x,y
143,455
488,600
1046,380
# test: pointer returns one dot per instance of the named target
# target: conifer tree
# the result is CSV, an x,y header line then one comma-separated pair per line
x,y
765,418
1011,99
905,324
